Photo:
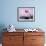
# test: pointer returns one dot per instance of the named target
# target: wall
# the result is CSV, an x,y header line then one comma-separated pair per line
x,y
8,13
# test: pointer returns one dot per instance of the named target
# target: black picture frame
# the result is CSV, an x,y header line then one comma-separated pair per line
x,y
26,14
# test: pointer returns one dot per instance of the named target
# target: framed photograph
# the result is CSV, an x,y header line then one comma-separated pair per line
x,y
26,14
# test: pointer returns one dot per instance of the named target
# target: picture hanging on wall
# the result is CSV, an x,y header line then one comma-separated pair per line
x,y
26,14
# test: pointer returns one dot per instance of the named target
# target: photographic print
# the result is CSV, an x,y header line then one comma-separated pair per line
x,y
26,14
